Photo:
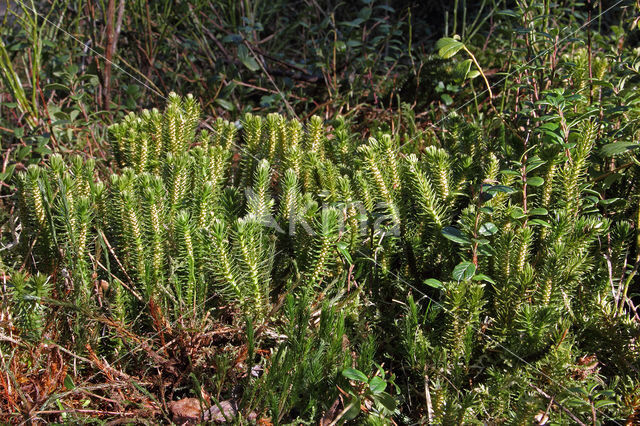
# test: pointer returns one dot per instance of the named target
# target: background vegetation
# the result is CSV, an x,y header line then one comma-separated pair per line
x,y
319,212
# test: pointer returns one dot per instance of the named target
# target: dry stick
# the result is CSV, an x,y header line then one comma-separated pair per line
x,y
607,257
11,379
68,352
589,6
541,392
111,10
610,172
633,309
104,366
210,34
286,102
545,416
150,86
342,414
86,411
627,283
95,395
5,338
475,61
493,108
264,89
124,271
115,277
427,395
113,32
277,60
87,389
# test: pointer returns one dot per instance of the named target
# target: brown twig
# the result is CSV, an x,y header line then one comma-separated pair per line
x,y
124,271
87,411
562,407
282,95
427,395
113,31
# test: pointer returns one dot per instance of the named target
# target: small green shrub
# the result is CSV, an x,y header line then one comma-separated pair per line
x,y
506,258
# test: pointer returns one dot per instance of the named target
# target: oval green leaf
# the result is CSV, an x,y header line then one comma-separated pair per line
x,y
535,181
357,375
540,211
464,271
487,229
501,188
448,47
517,213
455,235
432,282
483,277
377,385
615,148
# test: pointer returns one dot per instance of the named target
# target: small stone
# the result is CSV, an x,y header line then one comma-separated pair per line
x,y
186,411
228,409
256,370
